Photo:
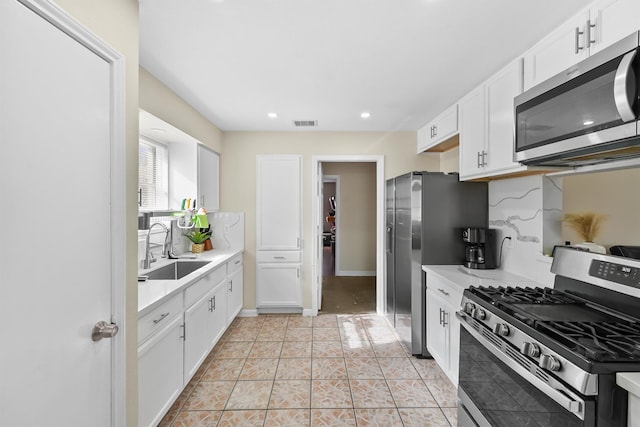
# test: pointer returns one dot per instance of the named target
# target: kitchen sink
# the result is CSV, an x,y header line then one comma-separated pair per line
x,y
176,270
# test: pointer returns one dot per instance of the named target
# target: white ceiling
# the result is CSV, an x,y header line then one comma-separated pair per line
x,y
404,61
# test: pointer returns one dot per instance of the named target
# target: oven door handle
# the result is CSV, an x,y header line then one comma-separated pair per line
x,y
625,76
554,389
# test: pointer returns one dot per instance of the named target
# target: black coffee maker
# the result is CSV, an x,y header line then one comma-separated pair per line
x,y
480,250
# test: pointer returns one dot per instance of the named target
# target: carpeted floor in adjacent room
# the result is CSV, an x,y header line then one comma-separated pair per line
x,y
348,294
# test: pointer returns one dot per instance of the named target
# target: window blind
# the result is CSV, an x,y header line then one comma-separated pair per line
x,y
153,175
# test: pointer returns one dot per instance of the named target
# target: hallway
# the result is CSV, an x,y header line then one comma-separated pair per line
x,y
330,370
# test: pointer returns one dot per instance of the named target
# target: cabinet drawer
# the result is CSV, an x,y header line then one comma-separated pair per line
x,y
275,256
234,264
196,291
159,317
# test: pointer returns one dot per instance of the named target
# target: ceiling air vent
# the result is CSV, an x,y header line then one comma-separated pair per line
x,y
305,123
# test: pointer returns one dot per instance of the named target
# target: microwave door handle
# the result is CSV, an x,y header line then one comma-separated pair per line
x,y
620,85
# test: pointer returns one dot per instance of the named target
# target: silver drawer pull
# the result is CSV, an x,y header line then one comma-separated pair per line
x,y
237,262
443,291
162,316
279,257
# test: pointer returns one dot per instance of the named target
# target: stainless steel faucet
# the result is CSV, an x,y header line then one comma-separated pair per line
x,y
148,258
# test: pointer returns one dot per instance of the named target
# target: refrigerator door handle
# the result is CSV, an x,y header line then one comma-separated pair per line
x,y
389,239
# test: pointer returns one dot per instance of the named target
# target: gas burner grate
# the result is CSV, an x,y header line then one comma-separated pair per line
x,y
519,295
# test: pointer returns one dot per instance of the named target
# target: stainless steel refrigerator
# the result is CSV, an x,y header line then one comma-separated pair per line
x,y
425,214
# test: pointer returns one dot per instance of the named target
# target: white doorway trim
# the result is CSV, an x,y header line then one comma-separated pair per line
x,y
335,179
67,24
316,269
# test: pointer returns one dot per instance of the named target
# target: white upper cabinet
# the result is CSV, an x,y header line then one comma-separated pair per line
x,y
208,179
279,202
439,130
588,32
486,126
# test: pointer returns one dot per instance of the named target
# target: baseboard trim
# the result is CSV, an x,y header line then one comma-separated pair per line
x,y
309,312
248,313
279,310
355,273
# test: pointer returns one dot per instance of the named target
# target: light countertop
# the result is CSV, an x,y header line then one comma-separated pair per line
x,y
153,292
464,277
629,381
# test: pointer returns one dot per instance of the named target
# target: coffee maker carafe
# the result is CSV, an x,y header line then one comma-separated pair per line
x,y
479,248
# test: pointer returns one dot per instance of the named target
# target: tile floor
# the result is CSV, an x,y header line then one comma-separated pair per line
x,y
330,370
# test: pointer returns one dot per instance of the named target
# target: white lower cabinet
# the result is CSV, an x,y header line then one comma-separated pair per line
x,y
278,286
235,279
443,328
160,382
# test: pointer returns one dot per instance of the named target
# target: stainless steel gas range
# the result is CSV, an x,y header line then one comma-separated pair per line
x,y
548,357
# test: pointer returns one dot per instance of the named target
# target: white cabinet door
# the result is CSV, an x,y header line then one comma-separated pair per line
x,y
278,285
614,20
279,202
500,91
441,128
472,132
218,322
160,381
437,332
234,295
197,334
558,51
208,179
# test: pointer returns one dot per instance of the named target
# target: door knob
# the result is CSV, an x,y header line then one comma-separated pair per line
x,y
103,329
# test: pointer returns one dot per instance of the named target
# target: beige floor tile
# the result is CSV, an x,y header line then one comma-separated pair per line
x,y
349,319
271,334
296,349
198,419
427,368
357,349
248,322
223,369
443,391
371,394
330,394
388,349
242,418
259,369
411,394
234,350
287,418
381,334
294,369
298,334
275,321
328,368
300,322
243,334
363,368
387,417
327,349
209,396
421,417
250,395
352,333
326,334
266,349
333,418
290,394
325,321
397,368
451,414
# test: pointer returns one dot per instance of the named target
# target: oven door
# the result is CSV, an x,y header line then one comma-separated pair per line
x,y
493,390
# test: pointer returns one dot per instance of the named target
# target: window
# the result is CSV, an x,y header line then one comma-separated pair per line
x,y
153,175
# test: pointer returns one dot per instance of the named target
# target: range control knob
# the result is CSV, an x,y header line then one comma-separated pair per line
x,y
549,362
501,329
478,313
530,349
469,307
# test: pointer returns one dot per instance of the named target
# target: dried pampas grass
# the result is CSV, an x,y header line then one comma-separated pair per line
x,y
587,224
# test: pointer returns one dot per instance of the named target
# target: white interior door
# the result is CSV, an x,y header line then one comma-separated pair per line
x,y
320,235
61,213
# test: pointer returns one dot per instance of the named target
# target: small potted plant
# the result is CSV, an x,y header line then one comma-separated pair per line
x,y
198,238
587,225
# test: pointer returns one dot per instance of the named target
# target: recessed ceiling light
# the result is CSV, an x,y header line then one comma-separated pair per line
x,y
272,115
365,115
587,122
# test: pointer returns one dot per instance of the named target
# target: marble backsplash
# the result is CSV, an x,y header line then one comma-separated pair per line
x,y
529,211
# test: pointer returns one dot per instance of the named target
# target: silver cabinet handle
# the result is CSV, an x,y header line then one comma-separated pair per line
x,y
231,285
440,316
624,83
443,291
444,318
590,27
210,304
298,242
298,270
103,329
162,316
278,257
214,302
237,262
184,331
578,34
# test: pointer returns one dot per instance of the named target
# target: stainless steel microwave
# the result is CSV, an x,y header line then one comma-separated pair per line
x,y
585,115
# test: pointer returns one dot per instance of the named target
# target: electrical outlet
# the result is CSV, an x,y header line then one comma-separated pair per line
x,y
509,241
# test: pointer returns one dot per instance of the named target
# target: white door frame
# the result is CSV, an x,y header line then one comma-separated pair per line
x,y
60,19
335,179
316,268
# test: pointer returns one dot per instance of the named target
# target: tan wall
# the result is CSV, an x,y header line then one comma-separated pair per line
x,y
116,22
449,160
162,102
614,194
356,216
238,177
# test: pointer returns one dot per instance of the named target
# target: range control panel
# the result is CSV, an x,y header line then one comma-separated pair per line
x,y
613,272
